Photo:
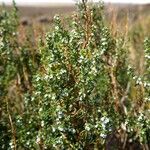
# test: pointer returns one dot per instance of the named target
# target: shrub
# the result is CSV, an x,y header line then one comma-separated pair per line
x,y
16,68
85,93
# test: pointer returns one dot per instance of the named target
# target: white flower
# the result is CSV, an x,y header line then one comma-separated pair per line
x,y
60,114
87,127
103,50
38,78
103,135
11,145
56,17
60,128
56,28
105,120
147,99
42,123
53,129
134,77
54,146
96,126
145,84
103,39
104,43
38,139
32,99
40,109
73,131
46,77
53,96
62,71
18,121
139,81
147,56
27,143
94,70
123,126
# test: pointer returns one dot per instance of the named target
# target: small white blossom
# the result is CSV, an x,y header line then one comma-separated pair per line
x,y
60,128
147,56
38,139
42,123
123,126
53,96
134,77
40,109
87,127
139,81
28,143
11,145
56,28
60,114
102,135
73,131
105,120
53,129
147,99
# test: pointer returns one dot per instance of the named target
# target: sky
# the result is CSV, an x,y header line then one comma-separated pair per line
x,y
36,2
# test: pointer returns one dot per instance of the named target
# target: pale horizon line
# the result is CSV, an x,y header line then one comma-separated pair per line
x,y
52,3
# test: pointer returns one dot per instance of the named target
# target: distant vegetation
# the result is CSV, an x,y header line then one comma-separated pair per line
x,y
84,85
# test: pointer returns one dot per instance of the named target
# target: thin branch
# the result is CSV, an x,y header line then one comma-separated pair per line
x,y
12,126
124,97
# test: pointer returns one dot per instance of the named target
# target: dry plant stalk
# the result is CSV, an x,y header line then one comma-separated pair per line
x,y
13,131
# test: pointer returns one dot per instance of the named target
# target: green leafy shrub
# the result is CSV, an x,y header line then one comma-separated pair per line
x,y
16,69
84,87
84,94
8,25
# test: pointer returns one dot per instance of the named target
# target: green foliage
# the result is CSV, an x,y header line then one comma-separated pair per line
x,y
16,69
81,90
8,26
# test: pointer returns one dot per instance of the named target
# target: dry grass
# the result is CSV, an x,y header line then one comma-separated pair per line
x,y
130,21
